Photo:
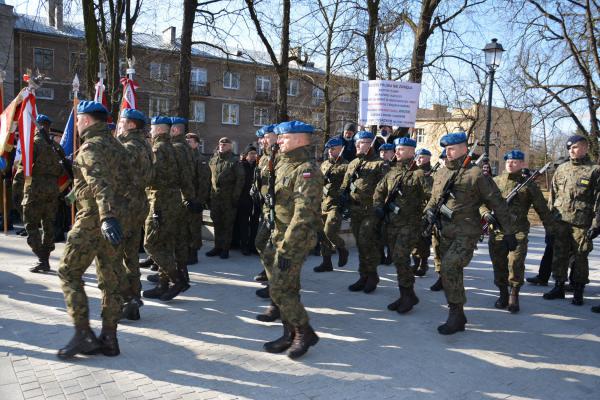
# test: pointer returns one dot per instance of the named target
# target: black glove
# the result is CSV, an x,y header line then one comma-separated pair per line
x,y
593,232
284,263
429,216
511,241
193,206
111,230
490,219
379,212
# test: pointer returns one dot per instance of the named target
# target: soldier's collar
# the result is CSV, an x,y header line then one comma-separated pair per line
x,y
96,129
580,161
297,153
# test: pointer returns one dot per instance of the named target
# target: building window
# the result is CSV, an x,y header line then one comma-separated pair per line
x,y
317,119
198,111
230,114
261,116
159,72
345,98
158,106
44,93
198,77
317,96
43,59
231,80
420,135
263,84
293,87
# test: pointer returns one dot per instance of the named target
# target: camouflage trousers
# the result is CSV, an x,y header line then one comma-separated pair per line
x,y
261,242
366,230
223,213
17,193
84,243
331,240
509,266
131,285
571,241
159,240
284,286
437,260
182,234
404,238
455,254
195,231
40,214
422,249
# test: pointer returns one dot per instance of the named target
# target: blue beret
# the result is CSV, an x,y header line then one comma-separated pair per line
x,y
443,155
574,139
364,135
178,120
129,113
386,146
2,163
43,118
293,127
160,121
423,152
265,129
111,126
87,106
334,142
514,155
405,141
453,138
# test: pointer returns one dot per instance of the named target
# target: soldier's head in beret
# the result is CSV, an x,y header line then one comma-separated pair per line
x,y
293,134
405,148
514,161
266,136
423,156
178,126
90,113
349,130
386,151
334,147
363,141
193,140
455,145
225,145
44,121
131,119
577,146
160,126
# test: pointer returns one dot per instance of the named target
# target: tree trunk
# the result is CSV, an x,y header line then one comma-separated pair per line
x,y
373,10
284,64
421,36
128,31
92,49
185,58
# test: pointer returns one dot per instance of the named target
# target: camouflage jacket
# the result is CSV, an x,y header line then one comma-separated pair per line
x,y
575,192
45,172
140,154
185,166
407,206
227,176
362,176
262,176
471,190
201,177
531,195
333,174
165,177
298,191
102,174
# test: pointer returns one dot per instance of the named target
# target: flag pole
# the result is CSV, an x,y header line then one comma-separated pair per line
x,y
75,103
5,210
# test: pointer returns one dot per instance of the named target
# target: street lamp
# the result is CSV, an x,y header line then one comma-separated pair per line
x,y
493,55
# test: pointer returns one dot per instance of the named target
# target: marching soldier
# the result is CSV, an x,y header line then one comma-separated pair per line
x,y
435,244
202,186
509,266
298,192
102,175
422,250
333,170
40,196
574,204
362,176
458,192
386,153
133,138
227,178
399,200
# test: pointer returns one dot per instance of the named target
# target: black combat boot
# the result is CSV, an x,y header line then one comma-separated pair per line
x,y
502,301
408,299
173,291
304,338
261,277
43,264
596,309
84,341
513,300
131,310
146,262
270,315
214,252
371,283
456,320
108,340
154,278
537,281
557,292
224,254
577,294
284,342
156,292
437,286
359,284
342,256
184,276
263,293
325,266
422,268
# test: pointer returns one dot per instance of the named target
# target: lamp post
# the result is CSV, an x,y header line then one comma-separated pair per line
x,y
493,55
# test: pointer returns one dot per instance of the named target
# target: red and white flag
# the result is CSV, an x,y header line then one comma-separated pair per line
x,y
27,118
129,96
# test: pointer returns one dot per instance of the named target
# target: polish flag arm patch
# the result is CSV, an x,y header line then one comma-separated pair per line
x,y
306,175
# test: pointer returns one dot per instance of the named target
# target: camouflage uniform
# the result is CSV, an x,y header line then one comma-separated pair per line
x,y
202,189
298,191
227,178
140,155
263,233
509,267
459,236
40,199
102,175
333,172
187,171
422,249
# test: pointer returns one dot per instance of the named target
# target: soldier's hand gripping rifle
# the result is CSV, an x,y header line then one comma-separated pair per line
x,y
434,214
270,197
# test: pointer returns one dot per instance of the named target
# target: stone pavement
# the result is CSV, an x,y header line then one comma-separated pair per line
x,y
207,344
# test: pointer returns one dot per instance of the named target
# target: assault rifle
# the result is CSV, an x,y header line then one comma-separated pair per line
x,y
440,207
389,205
270,197
255,193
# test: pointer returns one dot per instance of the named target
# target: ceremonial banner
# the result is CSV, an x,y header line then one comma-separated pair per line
x,y
66,142
390,103
8,125
27,130
129,96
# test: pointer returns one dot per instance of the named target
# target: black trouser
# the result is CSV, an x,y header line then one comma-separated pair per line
x,y
247,224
